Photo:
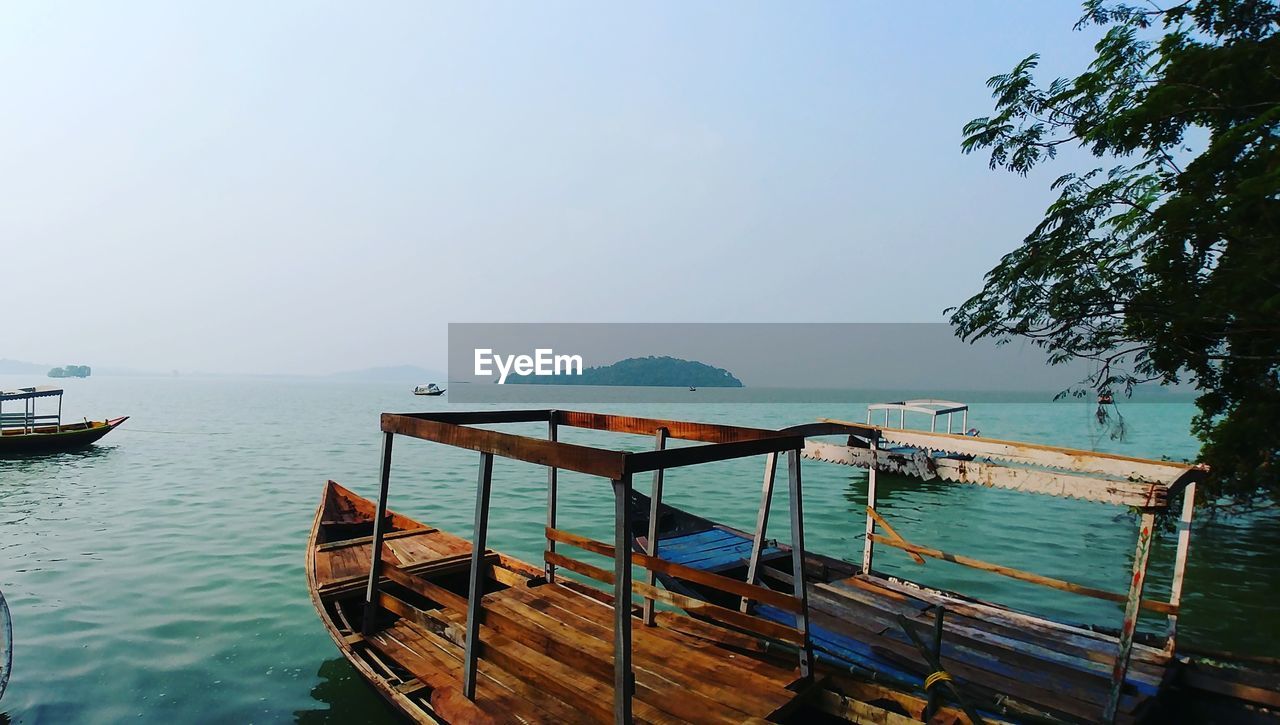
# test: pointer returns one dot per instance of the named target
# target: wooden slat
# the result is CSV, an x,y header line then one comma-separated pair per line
x,y
584,611
435,567
557,677
428,589
553,706
704,432
690,605
853,710
331,545
481,417
693,455
656,678
1016,623
1026,576
892,533
782,601
583,459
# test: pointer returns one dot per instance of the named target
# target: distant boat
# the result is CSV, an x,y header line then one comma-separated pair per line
x,y
428,389
692,389
26,432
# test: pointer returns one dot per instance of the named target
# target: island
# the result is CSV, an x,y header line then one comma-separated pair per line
x,y
643,372
70,371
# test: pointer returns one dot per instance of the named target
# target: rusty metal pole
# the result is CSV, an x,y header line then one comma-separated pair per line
x,y
762,523
623,677
797,562
655,501
370,616
1130,624
479,535
553,434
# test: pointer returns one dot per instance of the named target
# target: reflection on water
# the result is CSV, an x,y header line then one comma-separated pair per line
x,y
345,694
32,461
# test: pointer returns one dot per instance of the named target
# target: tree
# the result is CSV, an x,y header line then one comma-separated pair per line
x,y
1162,263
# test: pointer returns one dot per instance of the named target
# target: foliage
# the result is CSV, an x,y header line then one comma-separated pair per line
x,y
70,371
643,371
1162,263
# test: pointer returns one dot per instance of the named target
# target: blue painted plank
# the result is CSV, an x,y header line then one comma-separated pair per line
x,y
687,555
696,540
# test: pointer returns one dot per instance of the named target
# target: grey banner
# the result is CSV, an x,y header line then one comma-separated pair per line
x,y
744,362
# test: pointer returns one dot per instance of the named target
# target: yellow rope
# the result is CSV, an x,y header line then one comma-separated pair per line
x,y
935,678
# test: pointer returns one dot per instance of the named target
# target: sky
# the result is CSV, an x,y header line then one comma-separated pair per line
x,y
307,187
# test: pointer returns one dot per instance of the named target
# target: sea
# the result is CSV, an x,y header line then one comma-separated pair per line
x,y
158,576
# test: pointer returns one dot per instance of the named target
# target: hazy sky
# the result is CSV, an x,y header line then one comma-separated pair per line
x,y
310,187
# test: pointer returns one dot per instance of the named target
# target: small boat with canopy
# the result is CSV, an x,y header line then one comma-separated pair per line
x,y
29,431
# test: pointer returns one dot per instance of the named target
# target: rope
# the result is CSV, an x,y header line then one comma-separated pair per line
x,y
935,678
129,429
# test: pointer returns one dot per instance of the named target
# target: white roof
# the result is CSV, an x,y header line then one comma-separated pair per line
x,y
39,391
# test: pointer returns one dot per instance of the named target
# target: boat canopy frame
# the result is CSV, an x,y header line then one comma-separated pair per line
x,y
720,443
28,420
1142,484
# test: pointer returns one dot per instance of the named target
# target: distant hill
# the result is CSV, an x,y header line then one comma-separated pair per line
x,y
18,367
392,374
642,372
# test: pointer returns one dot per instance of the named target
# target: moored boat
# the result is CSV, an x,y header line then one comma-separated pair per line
x,y
29,432
428,389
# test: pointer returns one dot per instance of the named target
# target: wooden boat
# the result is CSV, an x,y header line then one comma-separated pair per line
x,y
537,635
1015,664
429,389
29,433
449,631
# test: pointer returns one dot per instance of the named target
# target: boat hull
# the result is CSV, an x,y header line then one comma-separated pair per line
x,y
56,439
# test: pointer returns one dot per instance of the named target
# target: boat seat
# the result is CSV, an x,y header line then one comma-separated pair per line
x,y
711,550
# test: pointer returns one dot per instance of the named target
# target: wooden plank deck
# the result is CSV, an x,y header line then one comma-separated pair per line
x,y
546,651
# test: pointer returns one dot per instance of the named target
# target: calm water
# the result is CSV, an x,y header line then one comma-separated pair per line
x,y
159,575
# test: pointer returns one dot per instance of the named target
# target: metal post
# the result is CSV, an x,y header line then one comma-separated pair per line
x,y
655,500
549,569
1180,562
476,590
379,525
762,522
623,677
797,561
867,543
1121,667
